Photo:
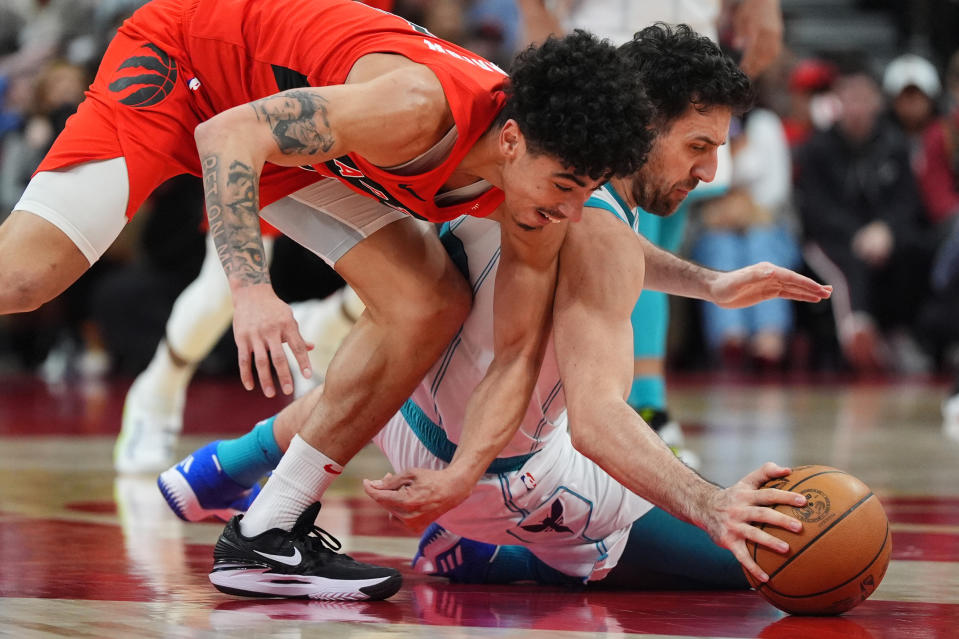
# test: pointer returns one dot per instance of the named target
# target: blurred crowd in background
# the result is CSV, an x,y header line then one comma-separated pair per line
x,y
847,170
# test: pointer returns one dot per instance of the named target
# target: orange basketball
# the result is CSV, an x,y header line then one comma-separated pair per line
x,y
840,556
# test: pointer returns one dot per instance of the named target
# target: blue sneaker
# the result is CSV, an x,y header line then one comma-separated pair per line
x,y
197,488
443,554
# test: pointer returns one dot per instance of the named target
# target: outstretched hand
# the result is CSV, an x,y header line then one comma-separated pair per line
x,y
760,282
734,513
419,496
262,322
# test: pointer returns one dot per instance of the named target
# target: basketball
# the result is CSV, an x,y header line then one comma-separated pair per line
x,y
840,556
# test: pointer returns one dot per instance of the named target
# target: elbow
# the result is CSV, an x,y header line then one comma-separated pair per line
x,y
580,441
211,132
583,432
204,132
208,131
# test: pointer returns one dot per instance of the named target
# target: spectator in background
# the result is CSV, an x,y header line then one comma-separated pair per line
x,y
911,85
16,99
56,93
63,336
46,29
938,170
492,29
751,223
812,106
938,164
864,225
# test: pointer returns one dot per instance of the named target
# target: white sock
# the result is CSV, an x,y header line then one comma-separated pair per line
x,y
300,480
163,383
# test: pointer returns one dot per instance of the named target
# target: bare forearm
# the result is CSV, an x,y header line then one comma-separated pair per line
x,y
671,274
614,436
523,305
493,415
232,203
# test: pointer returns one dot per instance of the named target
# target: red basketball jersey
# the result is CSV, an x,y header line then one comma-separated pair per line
x,y
237,51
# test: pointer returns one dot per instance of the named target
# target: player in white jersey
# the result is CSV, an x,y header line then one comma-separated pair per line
x,y
756,28
568,497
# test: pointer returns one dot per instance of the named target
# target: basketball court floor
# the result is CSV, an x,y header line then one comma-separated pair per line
x,y
84,553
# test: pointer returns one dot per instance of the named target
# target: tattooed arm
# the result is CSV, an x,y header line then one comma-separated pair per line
x,y
389,118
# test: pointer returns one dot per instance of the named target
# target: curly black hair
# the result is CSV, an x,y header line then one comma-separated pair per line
x,y
678,68
575,98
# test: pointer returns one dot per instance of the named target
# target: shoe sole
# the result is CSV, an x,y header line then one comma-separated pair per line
x,y
183,501
257,582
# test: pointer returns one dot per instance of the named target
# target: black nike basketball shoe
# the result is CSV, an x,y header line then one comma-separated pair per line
x,y
302,563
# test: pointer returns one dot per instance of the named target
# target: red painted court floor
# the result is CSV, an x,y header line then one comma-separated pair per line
x,y
84,553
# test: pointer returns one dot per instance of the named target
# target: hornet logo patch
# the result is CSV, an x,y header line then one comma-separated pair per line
x,y
145,79
553,521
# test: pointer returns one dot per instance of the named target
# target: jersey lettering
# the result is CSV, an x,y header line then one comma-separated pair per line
x,y
347,171
478,62
383,197
350,174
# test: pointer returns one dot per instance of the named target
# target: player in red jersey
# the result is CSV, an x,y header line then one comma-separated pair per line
x,y
247,92
156,400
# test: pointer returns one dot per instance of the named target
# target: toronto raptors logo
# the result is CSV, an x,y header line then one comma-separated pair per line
x,y
816,508
145,79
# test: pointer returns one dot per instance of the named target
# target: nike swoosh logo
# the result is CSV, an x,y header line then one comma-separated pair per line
x,y
289,560
329,468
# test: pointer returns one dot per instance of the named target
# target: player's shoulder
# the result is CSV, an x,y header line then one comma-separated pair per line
x,y
608,200
409,91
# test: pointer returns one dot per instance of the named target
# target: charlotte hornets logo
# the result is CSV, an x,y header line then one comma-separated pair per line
x,y
552,523
145,79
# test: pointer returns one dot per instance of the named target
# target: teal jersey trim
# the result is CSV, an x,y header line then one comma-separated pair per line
x,y
606,197
435,440
454,247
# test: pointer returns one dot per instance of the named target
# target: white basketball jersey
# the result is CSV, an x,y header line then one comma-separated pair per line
x,y
474,245
440,399
540,492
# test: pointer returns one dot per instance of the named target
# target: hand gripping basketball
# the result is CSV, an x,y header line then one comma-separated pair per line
x,y
735,514
841,555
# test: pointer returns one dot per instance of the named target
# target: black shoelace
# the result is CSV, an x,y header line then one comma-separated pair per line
x,y
318,539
